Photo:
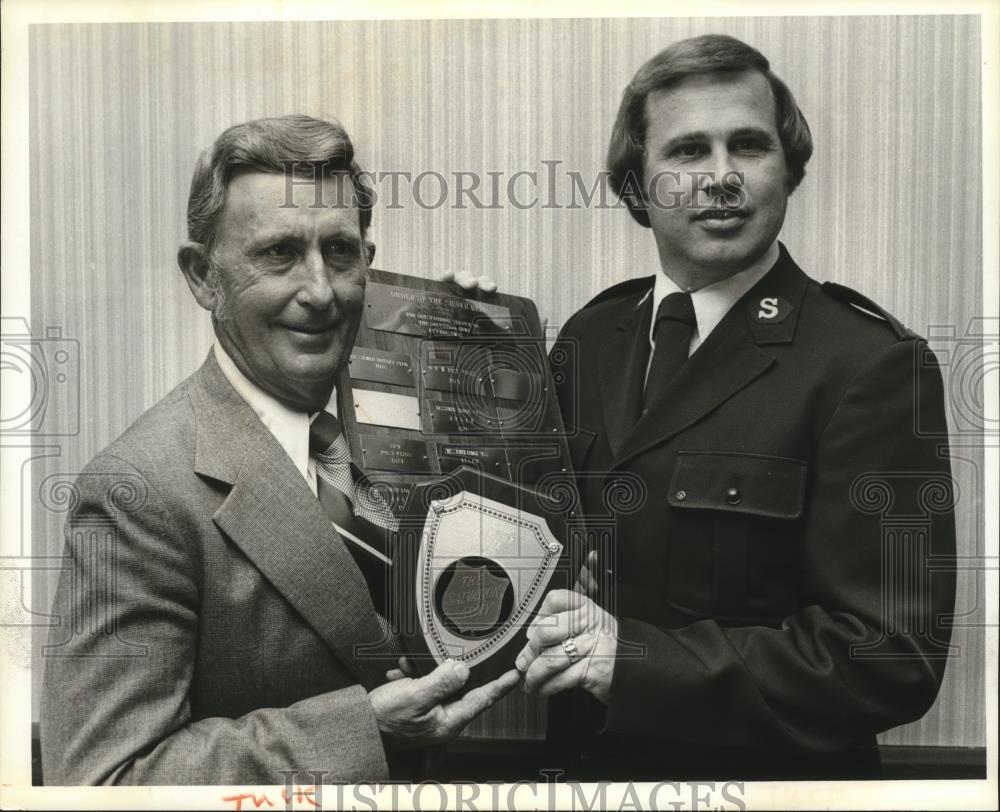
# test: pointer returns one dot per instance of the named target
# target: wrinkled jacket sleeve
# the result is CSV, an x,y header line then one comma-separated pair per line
x,y
118,669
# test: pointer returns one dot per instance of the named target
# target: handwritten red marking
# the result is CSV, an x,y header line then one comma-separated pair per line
x,y
239,799
300,794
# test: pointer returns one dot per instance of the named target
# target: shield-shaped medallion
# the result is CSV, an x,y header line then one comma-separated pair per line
x,y
477,575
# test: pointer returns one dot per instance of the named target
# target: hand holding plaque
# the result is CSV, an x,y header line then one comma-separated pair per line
x,y
571,642
473,570
449,408
424,711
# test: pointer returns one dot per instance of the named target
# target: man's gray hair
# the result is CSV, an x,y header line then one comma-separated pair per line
x,y
305,146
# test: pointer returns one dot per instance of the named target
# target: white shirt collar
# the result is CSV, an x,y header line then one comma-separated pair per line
x,y
712,302
289,427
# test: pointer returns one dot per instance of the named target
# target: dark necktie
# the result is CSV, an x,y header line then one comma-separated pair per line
x,y
361,517
675,323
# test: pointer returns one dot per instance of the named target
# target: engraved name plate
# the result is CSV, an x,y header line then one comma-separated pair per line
x,y
381,366
394,454
491,460
452,379
448,417
425,313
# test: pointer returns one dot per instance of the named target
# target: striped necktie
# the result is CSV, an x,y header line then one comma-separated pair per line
x,y
358,513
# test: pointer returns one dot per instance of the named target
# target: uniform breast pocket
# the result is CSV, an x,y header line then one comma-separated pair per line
x,y
734,524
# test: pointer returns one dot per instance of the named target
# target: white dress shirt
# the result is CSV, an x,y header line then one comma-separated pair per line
x,y
289,427
712,302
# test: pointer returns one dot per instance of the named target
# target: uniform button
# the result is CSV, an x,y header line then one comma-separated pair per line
x,y
681,496
733,496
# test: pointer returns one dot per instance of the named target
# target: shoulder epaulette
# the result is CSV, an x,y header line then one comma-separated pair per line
x,y
860,302
629,287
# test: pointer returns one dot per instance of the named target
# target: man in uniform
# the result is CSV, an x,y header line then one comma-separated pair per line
x,y
742,429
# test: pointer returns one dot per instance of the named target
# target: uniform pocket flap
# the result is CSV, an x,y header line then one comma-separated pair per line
x,y
739,483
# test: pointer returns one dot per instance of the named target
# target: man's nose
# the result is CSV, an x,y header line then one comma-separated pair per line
x,y
315,289
722,171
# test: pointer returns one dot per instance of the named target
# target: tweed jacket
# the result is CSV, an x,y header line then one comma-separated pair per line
x,y
214,629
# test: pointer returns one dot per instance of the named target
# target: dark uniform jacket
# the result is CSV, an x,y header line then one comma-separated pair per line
x,y
776,536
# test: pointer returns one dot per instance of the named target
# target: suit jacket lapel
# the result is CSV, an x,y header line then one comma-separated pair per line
x,y
622,370
272,515
728,360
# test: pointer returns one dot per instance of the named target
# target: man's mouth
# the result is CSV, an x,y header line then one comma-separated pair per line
x,y
720,214
311,329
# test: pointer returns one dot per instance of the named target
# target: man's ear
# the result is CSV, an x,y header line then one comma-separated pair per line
x,y
370,251
192,257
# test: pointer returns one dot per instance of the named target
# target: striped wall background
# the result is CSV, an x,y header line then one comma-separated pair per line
x,y
890,205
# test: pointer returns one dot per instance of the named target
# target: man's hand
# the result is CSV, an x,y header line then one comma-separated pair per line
x,y
467,281
412,711
571,642
405,670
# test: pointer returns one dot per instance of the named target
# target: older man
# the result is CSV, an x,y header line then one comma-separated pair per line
x,y
224,618
765,612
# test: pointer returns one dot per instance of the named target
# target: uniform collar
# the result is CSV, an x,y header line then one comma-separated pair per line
x,y
712,302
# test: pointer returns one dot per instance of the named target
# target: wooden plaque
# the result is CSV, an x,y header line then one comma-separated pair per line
x,y
476,365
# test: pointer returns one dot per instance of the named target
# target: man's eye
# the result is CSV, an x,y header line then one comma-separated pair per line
x,y
750,145
687,151
279,251
341,248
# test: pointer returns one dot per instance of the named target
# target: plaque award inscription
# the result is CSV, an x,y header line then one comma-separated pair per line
x,y
449,409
